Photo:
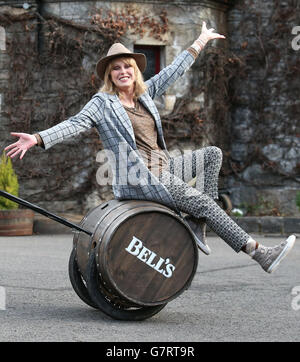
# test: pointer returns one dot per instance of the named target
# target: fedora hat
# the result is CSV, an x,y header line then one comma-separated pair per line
x,y
118,50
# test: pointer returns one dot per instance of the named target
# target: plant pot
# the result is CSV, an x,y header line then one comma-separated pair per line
x,y
16,222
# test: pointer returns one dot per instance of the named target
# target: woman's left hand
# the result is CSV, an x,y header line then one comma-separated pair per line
x,y
207,35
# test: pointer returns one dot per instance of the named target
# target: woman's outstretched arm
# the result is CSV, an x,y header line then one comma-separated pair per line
x,y
159,83
85,119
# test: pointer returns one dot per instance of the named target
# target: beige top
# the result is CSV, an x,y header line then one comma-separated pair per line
x,y
145,132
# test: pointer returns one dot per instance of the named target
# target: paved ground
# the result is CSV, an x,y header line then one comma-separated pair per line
x,y
231,299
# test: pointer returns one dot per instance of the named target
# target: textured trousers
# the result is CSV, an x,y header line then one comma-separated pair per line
x,y
198,201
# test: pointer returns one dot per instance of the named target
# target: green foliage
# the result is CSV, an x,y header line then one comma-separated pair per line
x,y
298,199
261,207
8,183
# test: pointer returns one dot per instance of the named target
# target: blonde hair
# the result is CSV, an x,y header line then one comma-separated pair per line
x,y
110,88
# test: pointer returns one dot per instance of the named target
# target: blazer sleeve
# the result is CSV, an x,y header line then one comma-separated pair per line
x,y
87,118
158,84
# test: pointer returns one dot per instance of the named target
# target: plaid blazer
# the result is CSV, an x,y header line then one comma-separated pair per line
x,y
131,177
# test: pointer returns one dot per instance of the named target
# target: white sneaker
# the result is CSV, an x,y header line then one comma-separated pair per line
x,y
269,258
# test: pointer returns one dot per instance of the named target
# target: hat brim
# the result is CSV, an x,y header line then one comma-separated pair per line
x,y
140,59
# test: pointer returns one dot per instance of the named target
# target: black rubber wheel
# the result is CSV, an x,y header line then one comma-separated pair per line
x,y
109,304
77,281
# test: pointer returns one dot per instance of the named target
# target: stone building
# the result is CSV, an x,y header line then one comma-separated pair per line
x,y
261,171
265,109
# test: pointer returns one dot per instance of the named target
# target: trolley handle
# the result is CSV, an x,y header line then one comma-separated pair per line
x,y
42,211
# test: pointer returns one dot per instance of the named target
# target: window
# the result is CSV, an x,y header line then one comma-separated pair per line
x,y
153,55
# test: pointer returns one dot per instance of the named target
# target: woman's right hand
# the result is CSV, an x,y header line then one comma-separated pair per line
x,y
25,142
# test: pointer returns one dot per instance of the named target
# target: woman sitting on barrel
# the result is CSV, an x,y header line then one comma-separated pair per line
x,y
130,128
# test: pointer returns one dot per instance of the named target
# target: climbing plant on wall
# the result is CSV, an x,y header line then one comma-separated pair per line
x,y
51,76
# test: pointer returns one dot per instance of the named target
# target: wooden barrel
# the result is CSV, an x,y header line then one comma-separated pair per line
x,y
16,222
145,253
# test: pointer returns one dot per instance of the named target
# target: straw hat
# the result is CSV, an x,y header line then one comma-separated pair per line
x,y
117,50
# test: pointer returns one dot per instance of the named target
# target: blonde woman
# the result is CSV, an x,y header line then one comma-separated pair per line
x,y
130,128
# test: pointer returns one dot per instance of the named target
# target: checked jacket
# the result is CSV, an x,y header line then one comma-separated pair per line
x,y
131,177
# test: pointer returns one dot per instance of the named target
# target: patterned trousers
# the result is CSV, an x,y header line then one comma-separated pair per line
x,y
198,201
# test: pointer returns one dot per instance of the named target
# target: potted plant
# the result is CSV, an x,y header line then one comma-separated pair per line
x,y
13,221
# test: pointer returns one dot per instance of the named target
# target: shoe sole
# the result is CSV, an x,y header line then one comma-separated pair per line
x,y
205,250
203,247
290,243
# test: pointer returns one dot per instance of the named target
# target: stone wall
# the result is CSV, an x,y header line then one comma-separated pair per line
x,y
35,94
262,127
185,19
265,145
63,178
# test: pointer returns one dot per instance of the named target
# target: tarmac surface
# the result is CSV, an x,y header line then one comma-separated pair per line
x,y
230,299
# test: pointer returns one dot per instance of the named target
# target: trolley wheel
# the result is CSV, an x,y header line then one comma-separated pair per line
x,y
78,282
109,304
225,202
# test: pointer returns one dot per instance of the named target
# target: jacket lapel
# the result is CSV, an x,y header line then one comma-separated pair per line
x,y
147,102
122,118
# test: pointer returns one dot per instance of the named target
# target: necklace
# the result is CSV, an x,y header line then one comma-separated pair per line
x,y
134,108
